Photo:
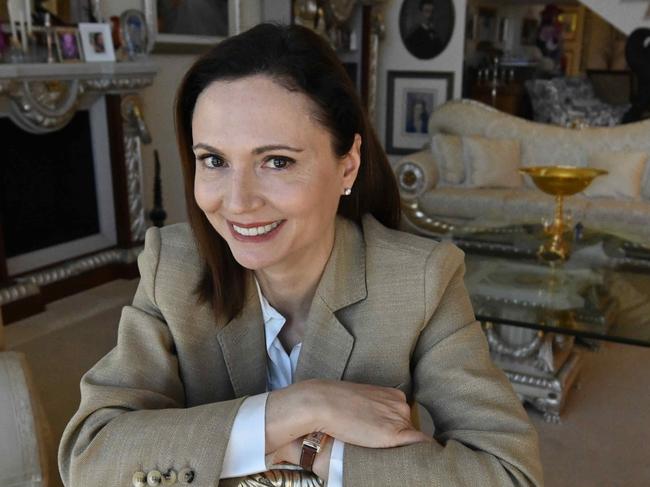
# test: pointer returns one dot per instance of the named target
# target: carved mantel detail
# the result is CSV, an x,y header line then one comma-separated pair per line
x,y
44,97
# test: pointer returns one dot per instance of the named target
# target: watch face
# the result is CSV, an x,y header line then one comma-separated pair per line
x,y
313,440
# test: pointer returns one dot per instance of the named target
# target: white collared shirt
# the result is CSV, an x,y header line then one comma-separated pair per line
x,y
245,453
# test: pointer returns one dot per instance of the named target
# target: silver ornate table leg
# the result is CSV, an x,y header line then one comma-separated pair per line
x,y
542,367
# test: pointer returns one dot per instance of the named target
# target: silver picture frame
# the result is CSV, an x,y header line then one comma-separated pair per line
x,y
164,43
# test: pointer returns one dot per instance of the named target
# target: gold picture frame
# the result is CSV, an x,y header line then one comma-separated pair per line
x,y
68,45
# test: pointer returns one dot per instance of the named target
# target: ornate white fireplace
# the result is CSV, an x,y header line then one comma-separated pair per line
x,y
80,128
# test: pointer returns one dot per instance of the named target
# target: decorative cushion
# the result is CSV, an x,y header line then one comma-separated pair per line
x,y
447,150
626,171
562,101
491,163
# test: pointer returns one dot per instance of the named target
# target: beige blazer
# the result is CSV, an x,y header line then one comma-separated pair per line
x,y
391,309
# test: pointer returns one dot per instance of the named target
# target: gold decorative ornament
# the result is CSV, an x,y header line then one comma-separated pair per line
x,y
559,181
281,478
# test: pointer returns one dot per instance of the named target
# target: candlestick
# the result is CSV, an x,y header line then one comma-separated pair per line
x,y
48,38
12,21
23,29
28,14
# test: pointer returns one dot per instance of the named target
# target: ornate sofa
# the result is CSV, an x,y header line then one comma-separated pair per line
x,y
468,176
436,188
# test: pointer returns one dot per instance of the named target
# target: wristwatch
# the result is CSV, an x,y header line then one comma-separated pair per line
x,y
311,445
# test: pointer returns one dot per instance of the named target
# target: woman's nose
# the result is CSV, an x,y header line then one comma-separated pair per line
x,y
243,193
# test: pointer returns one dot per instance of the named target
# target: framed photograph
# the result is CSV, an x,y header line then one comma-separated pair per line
x,y
68,47
133,33
192,26
97,42
426,26
412,98
569,20
486,29
529,31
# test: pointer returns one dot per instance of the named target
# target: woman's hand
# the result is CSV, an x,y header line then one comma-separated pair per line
x,y
360,414
365,415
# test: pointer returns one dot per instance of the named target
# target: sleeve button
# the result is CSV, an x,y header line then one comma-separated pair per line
x,y
186,476
169,477
139,479
154,478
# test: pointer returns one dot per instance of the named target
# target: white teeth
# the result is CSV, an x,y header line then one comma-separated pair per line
x,y
254,231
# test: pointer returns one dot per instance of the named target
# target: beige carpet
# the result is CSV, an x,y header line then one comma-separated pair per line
x,y
603,439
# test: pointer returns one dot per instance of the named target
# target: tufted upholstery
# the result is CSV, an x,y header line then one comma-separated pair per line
x,y
541,145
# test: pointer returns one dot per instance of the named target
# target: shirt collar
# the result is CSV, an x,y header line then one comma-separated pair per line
x,y
273,320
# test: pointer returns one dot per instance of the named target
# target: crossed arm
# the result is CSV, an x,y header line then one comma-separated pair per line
x,y
133,413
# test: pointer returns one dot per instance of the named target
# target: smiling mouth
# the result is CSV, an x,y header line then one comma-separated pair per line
x,y
254,232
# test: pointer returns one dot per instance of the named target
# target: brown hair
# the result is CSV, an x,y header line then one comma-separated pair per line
x,y
300,60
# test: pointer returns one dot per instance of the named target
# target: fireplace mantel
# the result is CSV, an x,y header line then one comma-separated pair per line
x,y
83,71
43,98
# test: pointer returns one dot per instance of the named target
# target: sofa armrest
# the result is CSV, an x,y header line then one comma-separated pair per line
x,y
416,173
25,437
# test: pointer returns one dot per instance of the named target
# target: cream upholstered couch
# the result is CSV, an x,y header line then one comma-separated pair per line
x,y
25,437
426,198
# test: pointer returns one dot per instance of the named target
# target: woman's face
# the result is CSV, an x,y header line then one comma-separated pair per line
x,y
266,175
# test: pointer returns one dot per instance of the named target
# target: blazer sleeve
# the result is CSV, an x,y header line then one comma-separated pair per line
x,y
482,433
132,415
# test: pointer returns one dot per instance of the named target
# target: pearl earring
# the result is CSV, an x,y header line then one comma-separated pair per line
x,y
347,191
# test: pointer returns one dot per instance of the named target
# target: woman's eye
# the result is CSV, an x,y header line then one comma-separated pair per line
x,y
278,162
211,161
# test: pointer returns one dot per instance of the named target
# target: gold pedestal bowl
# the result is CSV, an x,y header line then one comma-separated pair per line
x,y
559,181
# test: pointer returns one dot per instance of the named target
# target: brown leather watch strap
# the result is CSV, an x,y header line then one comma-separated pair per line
x,y
311,445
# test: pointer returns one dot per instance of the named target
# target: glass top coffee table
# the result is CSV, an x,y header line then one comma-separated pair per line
x,y
532,310
602,291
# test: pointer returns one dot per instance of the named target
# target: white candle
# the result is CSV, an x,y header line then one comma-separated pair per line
x,y
28,14
12,20
23,30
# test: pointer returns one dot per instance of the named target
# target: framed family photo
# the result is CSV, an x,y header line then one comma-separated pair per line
x,y
193,26
97,42
426,26
412,97
68,46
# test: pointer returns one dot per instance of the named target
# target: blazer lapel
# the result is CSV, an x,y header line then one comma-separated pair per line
x,y
327,344
243,346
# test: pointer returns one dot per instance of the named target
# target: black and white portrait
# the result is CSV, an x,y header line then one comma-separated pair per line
x,y
426,26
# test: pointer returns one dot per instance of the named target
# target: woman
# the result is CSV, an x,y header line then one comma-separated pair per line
x,y
291,306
